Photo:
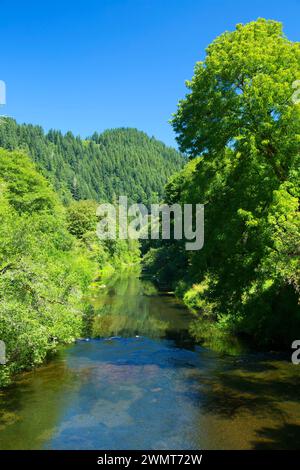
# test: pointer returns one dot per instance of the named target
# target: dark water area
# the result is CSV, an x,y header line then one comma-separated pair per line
x,y
142,383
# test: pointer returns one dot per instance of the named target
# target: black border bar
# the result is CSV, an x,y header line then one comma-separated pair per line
x,y
134,459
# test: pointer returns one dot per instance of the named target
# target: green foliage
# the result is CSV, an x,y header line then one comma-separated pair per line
x,y
43,270
166,264
240,123
81,217
109,254
27,190
115,163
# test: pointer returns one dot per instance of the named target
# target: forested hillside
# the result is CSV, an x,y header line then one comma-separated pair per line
x,y
117,162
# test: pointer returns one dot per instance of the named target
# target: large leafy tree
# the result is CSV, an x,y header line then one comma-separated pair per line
x,y
241,98
241,123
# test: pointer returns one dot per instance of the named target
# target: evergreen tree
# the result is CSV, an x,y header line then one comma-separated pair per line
x,y
117,162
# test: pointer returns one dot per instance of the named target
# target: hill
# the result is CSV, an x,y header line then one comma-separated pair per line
x,y
117,162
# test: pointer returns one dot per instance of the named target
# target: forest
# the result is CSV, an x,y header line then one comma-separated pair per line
x,y
117,162
238,131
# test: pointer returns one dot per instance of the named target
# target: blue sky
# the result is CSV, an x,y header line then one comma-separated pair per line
x,y
91,65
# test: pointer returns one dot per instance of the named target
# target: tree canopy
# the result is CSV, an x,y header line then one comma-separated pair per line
x,y
241,129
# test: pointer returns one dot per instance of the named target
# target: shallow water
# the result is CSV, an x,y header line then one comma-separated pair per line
x,y
145,384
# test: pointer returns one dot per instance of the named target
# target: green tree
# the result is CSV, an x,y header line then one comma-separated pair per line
x,y
81,217
241,128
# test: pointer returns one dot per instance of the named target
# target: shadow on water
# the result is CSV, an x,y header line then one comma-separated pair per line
x,y
285,437
258,396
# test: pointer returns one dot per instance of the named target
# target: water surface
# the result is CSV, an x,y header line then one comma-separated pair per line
x,y
145,384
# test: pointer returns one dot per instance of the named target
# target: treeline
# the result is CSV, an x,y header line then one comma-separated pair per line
x,y
117,162
241,129
49,256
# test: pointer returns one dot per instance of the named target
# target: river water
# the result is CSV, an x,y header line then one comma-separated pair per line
x,y
144,384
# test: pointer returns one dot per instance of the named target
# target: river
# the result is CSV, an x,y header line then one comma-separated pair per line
x,y
144,384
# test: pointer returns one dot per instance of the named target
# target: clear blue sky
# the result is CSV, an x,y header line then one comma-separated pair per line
x,y
91,65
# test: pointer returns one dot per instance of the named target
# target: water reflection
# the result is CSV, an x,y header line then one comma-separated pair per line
x,y
30,409
130,307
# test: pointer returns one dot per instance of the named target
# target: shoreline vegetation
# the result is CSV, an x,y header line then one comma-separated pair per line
x,y
241,131
49,258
